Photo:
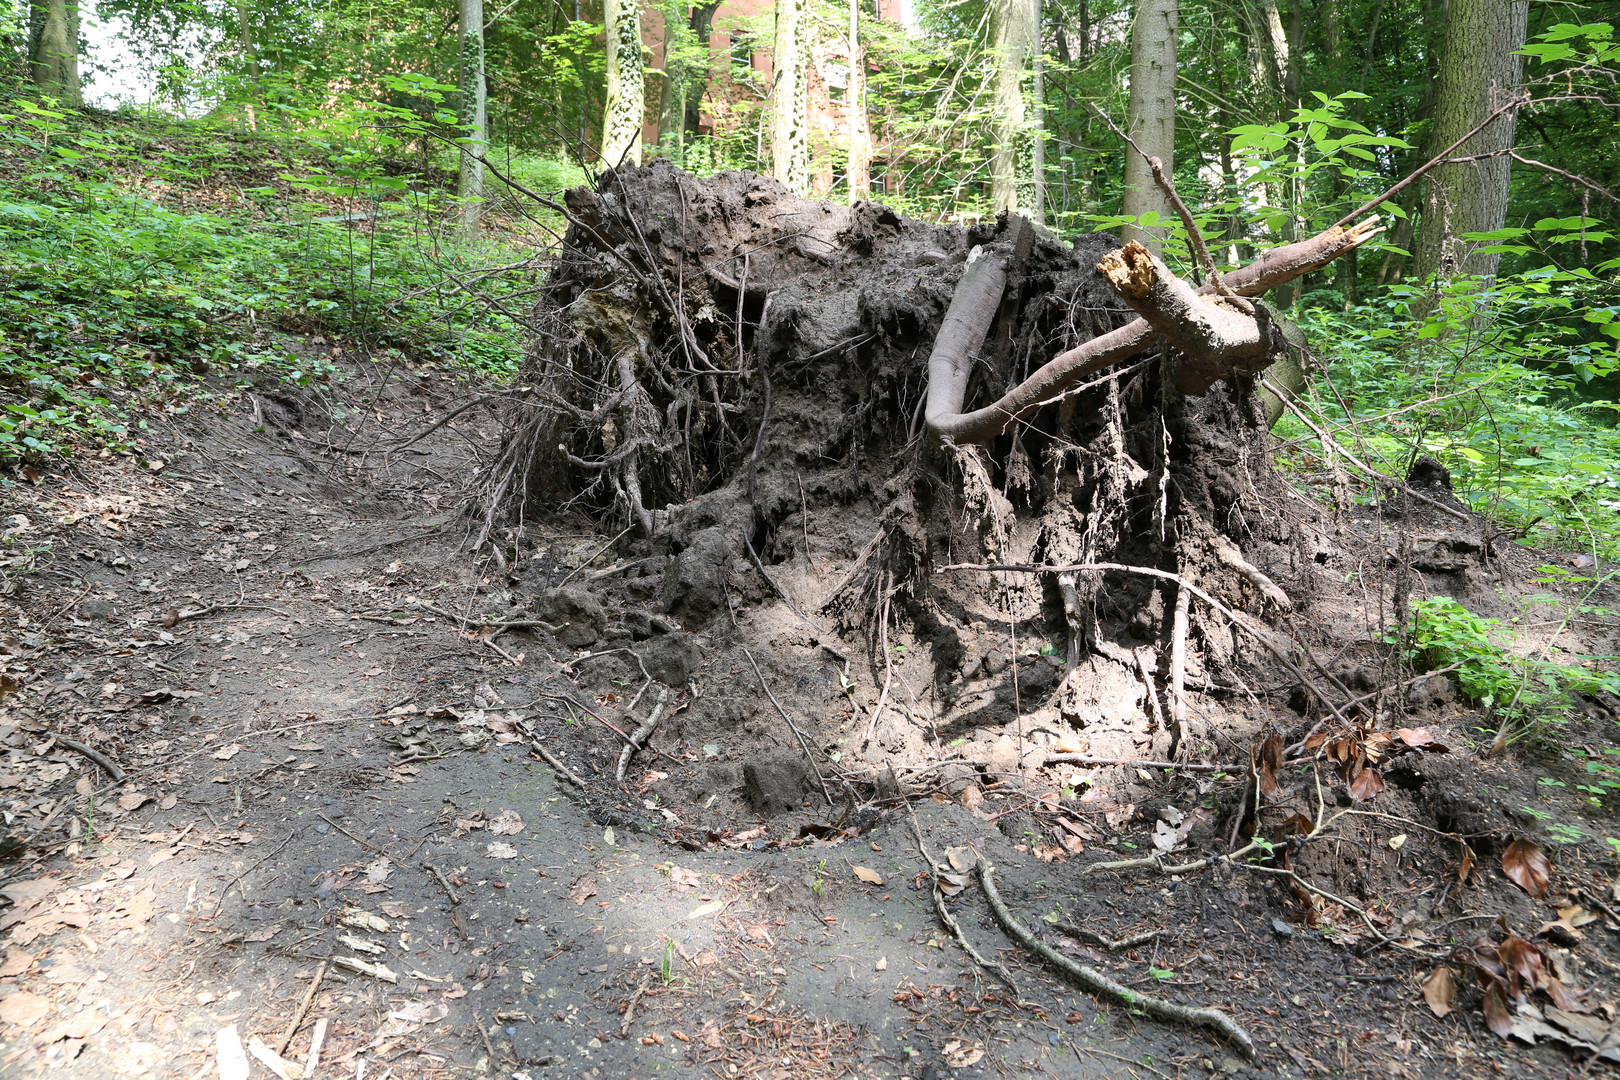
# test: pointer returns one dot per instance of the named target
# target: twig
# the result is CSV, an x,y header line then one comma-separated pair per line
x,y
594,556
447,417
1178,667
888,672
233,882
444,882
642,733
1099,983
804,743
630,1007
108,765
350,835
1080,934
556,763
1081,759
949,920
303,1007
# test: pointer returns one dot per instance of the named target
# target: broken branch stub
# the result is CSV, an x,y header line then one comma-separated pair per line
x,y
1068,369
1215,339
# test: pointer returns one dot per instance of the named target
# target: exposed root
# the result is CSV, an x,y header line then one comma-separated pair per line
x,y
949,921
1110,944
804,744
642,733
1098,983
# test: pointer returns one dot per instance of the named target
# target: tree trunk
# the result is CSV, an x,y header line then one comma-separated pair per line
x,y
1037,202
790,85
53,50
626,87
250,56
702,24
1009,40
1480,70
474,125
859,170
1151,119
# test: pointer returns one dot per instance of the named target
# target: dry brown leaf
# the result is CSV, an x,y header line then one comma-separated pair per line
x,y
962,858
169,802
1497,1016
264,934
133,801
1527,867
24,1009
16,963
506,823
868,875
1366,784
686,879
582,890
1438,990
1576,915
1466,866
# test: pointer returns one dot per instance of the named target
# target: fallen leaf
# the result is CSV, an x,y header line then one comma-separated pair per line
x,y
582,890
868,875
81,1026
1466,866
1527,867
377,872
501,850
882,964
1497,1016
31,892
1366,784
506,823
607,836
363,920
1438,990
706,909
229,1056
1397,842
1576,915
133,801
169,802
686,879
959,1055
962,858
24,1009
16,963
264,934
161,856
225,753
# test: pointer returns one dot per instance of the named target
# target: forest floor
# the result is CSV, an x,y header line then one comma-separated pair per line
x,y
330,819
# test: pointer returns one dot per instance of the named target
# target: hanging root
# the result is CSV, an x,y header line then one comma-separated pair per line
x,y
1099,983
1231,557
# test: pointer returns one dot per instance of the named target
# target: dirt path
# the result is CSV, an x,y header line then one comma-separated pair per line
x,y
323,773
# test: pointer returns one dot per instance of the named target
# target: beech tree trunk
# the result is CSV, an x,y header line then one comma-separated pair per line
x,y
1479,71
790,87
1009,41
1151,119
474,123
1037,149
626,84
859,170
53,50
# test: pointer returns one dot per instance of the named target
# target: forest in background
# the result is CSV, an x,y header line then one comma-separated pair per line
x,y
314,169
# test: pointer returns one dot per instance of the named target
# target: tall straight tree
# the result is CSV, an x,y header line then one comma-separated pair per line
x,y
1009,42
53,50
1151,114
859,170
626,84
790,88
1480,70
474,123
1037,150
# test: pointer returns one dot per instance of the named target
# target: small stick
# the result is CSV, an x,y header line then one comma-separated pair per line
x,y
443,881
1099,983
642,733
313,1061
1080,934
1082,759
1178,666
949,920
303,1007
888,675
108,765
804,744
350,835
630,1008
594,556
1146,673
551,759
234,881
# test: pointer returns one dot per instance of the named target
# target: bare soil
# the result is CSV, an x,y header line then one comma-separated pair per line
x,y
274,624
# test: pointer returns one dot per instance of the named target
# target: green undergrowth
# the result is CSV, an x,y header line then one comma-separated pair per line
x,y
1514,389
151,264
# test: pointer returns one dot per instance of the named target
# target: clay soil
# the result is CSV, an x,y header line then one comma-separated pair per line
x,y
327,709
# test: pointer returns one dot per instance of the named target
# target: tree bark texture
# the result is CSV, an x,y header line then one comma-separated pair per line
x,y
53,50
626,85
1037,150
790,86
1479,72
474,123
1151,114
859,170
1010,43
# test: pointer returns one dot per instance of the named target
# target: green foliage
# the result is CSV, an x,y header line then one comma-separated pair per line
x,y
132,271
1522,689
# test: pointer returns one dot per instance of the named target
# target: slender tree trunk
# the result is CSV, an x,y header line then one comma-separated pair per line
x,y
1479,72
692,91
1151,119
626,86
53,50
790,87
1009,40
1037,202
250,56
859,170
474,124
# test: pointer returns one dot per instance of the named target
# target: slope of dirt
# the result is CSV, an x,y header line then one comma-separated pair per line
x,y
328,711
